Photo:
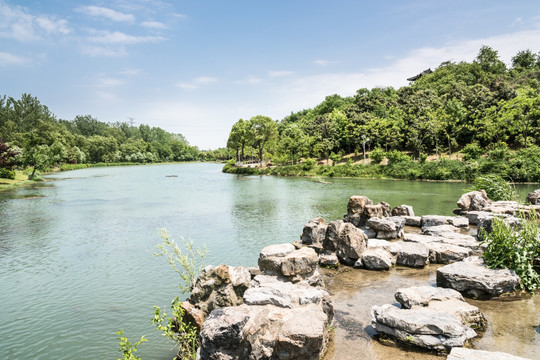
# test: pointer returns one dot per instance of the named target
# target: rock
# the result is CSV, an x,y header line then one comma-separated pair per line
x,y
278,296
377,243
452,239
436,230
254,271
271,256
332,233
377,259
314,233
193,315
533,198
421,326
328,260
351,244
357,220
474,217
219,287
264,332
458,221
370,233
357,204
380,210
474,201
423,295
393,223
403,210
433,220
459,353
411,254
472,278
300,262
415,221
486,223
441,253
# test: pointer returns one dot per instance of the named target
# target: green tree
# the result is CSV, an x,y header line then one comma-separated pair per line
x,y
489,61
264,131
241,134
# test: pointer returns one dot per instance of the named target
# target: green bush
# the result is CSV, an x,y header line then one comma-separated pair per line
x,y
7,174
377,155
309,163
396,156
472,151
515,248
495,186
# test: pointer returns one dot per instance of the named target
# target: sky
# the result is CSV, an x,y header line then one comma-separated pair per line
x,y
196,67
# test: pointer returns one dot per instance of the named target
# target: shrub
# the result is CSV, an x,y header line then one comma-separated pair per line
x,y
309,163
472,151
7,174
515,248
495,186
377,155
396,156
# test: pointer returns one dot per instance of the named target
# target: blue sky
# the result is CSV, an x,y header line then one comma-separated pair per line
x,y
196,67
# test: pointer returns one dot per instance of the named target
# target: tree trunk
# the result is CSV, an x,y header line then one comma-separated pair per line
x,y
31,176
261,155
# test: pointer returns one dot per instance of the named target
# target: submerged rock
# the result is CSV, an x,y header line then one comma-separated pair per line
x,y
471,354
472,278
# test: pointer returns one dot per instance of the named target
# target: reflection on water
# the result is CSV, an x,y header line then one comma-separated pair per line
x,y
76,253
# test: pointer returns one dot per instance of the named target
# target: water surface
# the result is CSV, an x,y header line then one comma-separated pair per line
x,y
77,252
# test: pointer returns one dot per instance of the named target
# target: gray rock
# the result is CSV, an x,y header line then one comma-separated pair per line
x,y
351,244
415,221
441,253
474,201
377,259
377,243
269,295
389,224
411,254
357,220
453,239
485,224
219,287
533,198
314,233
472,278
329,260
403,210
433,220
421,326
423,295
436,230
357,204
459,353
294,264
300,262
332,233
271,256
475,217
458,221
380,210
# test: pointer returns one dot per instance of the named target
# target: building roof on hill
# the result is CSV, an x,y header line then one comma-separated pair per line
x,y
416,77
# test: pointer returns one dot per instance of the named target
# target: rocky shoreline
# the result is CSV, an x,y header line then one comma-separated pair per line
x,y
282,310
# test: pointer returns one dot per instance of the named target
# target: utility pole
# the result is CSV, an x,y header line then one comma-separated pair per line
x,y
131,122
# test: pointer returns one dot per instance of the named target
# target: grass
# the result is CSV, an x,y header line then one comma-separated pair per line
x,y
21,178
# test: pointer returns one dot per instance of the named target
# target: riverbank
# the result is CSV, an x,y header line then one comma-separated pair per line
x,y
21,178
520,169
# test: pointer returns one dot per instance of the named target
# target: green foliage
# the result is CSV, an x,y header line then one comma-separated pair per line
x,y
377,155
495,186
127,348
472,151
187,263
396,156
177,329
309,163
516,248
7,174
336,158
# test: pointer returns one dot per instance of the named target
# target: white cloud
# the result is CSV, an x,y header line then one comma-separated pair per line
x,y
249,80
117,37
185,85
153,25
325,62
17,23
197,82
110,82
7,59
205,80
280,73
179,16
110,14
103,51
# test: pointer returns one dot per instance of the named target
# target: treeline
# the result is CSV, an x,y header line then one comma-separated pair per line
x,y
480,105
36,138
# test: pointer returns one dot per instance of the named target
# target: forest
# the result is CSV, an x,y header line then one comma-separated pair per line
x,y
32,137
483,113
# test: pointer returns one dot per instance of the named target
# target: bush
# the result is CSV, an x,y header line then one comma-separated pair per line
x,y
7,174
377,155
309,163
515,248
472,151
495,186
396,156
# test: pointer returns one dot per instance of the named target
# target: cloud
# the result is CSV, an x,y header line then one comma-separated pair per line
x,y
103,51
20,25
325,62
197,82
117,37
205,80
7,59
179,16
249,80
110,82
280,73
153,25
110,14
186,86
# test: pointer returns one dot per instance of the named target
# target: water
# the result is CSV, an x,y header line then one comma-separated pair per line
x,y
76,252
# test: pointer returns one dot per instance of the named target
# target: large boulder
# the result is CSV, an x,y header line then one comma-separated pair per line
x,y
332,234
377,259
534,197
380,210
215,287
472,278
410,254
459,353
474,201
433,220
292,264
357,204
429,317
387,228
361,208
351,243
454,239
403,210
314,233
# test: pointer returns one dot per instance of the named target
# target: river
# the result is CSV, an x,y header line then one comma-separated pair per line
x,y
77,251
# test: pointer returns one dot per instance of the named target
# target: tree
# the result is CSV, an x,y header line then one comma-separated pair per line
x,y
489,61
264,131
8,156
525,60
241,134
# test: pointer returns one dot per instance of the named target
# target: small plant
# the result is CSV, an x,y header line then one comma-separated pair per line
x,y
128,348
472,151
377,155
495,186
309,163
515,248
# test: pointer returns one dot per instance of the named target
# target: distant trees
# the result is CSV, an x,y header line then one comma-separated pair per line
x,y
483,102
